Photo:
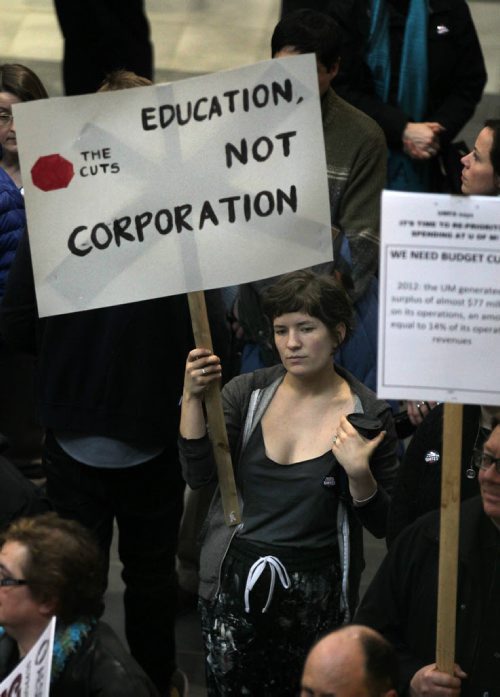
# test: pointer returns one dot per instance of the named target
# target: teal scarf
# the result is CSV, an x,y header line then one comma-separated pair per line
x,y
67,641
404,174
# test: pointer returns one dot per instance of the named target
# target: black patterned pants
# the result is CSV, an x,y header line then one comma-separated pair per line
x,y
258,654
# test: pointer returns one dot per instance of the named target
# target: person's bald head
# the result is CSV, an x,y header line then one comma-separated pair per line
x,y
354,661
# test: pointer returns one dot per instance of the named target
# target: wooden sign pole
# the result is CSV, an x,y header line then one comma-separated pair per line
x,y
215,414
448,541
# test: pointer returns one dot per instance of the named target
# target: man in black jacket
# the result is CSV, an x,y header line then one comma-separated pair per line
x,y
401,602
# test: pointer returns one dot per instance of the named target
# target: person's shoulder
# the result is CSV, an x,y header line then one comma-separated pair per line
x,y
346,117
257,379
415,539
9,655
371,403
5,180
427,526
11,198
439,6
114,673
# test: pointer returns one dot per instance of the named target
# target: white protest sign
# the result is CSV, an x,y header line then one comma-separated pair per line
x,y
155,191
31,677
439,319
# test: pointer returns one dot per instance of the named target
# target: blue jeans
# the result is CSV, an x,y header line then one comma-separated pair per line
x,y
146,501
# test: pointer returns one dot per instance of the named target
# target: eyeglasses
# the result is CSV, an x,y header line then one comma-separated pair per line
x,y
5,582
6,118
483,461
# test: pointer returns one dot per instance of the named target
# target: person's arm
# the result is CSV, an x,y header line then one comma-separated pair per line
x,y
417,488
353,452
195,450
202,369
372,510
12,225
359,211
354,83
18,310
456,70
400,602
457,73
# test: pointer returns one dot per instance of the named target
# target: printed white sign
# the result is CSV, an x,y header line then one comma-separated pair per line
x,y
155,191
31,677
439,320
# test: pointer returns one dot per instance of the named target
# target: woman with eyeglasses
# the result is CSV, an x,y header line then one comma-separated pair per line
x,y
52,566
17,84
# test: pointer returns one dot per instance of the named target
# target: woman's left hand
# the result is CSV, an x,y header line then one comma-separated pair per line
x,y
353,452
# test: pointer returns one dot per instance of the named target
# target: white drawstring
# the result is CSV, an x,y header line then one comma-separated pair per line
x,y
255,573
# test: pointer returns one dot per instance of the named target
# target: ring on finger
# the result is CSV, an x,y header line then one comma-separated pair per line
x,y
203,371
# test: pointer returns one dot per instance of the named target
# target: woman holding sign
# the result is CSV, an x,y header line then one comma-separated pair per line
x,y
315,456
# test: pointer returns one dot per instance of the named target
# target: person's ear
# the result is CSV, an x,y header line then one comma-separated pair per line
x,y
338,336
47,608
390,693
333,72
341,331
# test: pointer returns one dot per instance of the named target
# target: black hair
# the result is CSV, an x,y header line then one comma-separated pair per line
x,y
308,31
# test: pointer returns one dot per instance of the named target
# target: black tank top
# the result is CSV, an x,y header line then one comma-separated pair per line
x,y
293,505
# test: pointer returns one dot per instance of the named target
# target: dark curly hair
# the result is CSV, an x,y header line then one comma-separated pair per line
x,y
317,295
64,565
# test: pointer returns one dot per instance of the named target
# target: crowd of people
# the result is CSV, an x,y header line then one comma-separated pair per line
x,y
317,457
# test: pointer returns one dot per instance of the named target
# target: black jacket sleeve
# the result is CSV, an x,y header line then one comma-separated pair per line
x,y
18,311
400,602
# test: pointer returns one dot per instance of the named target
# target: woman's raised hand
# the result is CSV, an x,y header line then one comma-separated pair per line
x,y
353,452
202,368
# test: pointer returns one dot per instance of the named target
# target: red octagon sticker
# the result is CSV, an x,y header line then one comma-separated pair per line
x,y
52,172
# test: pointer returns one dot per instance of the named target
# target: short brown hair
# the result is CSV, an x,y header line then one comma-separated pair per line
x,y
123,80
317,295
22,82
64,565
